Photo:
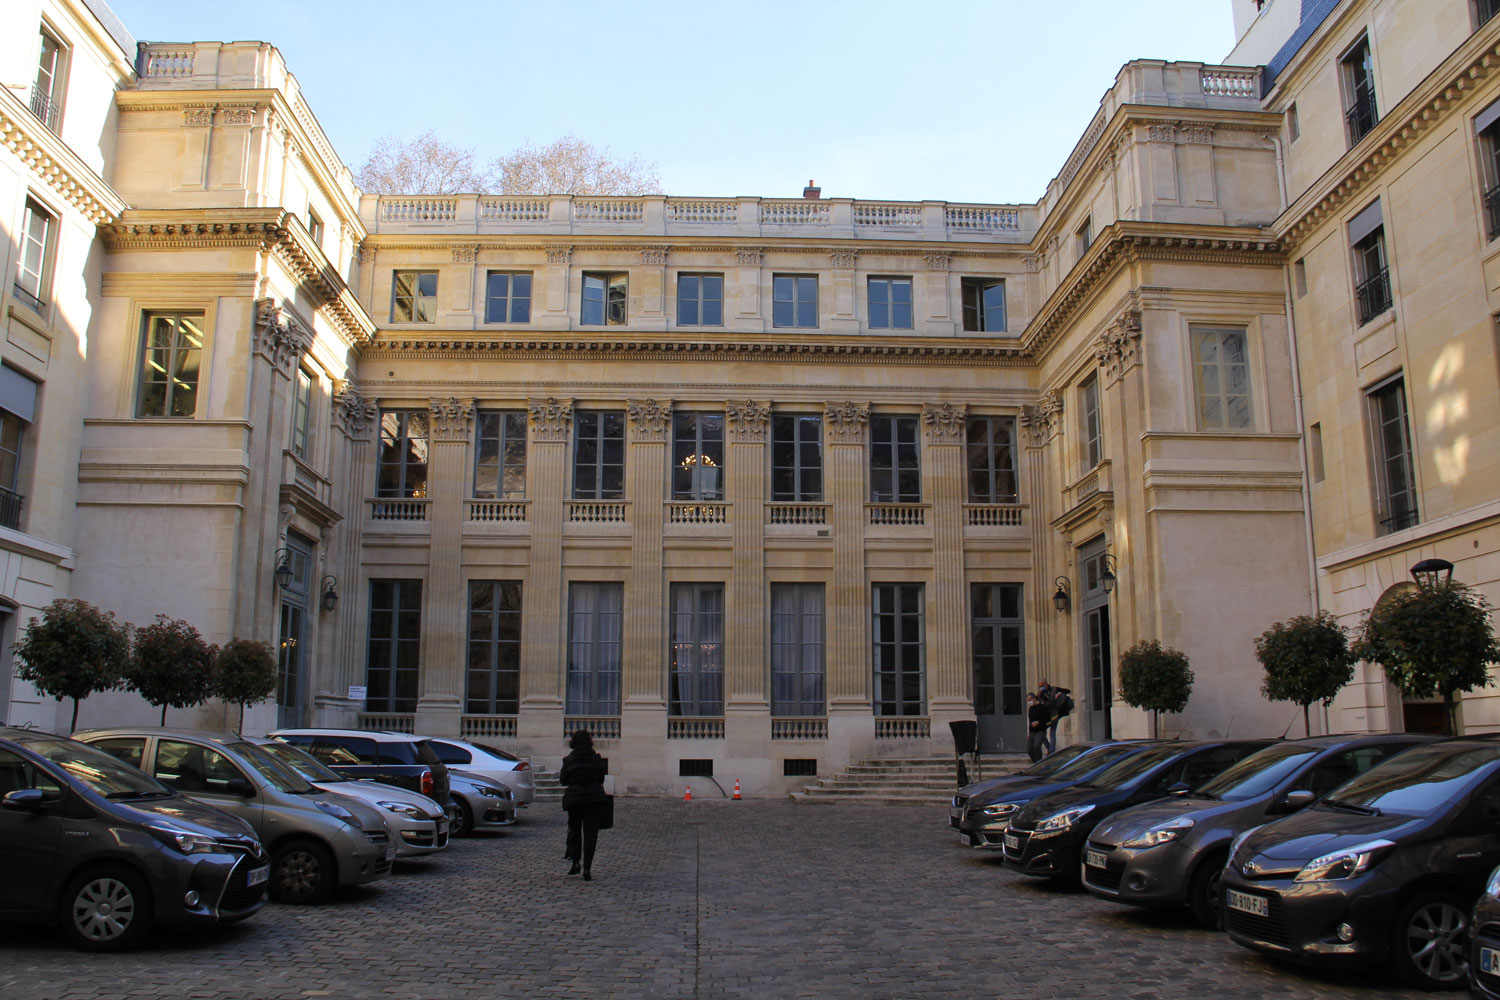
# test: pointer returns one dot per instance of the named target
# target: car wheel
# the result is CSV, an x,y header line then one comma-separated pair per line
x,y
302,872
460,817
1430,949
106,909
1203,893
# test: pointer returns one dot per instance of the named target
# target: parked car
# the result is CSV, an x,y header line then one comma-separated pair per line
x,y
419,826
391,758
317,839
1047,835
105,851
987,816
1383,869
477,803
488,762
1172,852
1040,769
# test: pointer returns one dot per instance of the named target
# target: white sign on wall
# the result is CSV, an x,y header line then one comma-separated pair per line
x,y
357,693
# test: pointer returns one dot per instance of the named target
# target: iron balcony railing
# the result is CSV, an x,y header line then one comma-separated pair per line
x,y
1361,117
1374,295
10,508
1492,208
45,108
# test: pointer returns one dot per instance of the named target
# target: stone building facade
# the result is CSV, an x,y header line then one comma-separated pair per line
x,y
759,486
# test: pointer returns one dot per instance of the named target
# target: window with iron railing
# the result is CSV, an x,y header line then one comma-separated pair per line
x,y
1359,91
1372,279
47,90
1390,435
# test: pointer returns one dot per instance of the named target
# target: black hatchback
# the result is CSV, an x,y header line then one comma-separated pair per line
x,y
1047,836
1383,870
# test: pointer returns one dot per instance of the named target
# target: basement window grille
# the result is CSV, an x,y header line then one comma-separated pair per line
x,y
689,768
800,767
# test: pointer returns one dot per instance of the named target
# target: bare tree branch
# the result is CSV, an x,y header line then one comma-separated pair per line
x,y
424,165
572,166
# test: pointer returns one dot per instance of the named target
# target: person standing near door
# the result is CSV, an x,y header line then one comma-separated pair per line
x,y
1038,716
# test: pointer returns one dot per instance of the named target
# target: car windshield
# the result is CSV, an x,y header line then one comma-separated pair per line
x,y
1103,757
1258,773
1054,762
1131,768
302,762
102,773
1419,782
278,776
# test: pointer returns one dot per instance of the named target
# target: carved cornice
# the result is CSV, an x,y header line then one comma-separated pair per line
x,y
464,254
650,420
559,255
843,259
367,252
937,261
1119,346
945,423
1043,419
749,258
748,421
551,419
847,422
653,255
451,419
279,336
351,411
54,163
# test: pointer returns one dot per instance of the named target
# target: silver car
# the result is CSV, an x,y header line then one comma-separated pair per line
x,y
476,803
419,826
317,839
488,762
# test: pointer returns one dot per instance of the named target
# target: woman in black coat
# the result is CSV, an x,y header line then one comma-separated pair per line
x,y
582,777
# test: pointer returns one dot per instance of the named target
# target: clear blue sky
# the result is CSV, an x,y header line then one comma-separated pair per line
x,y
955,100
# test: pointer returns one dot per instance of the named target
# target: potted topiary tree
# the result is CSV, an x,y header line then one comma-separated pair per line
x,y
1307,659
1155,678
170,665
244,673
72,650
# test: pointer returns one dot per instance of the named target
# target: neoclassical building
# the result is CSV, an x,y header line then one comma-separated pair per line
x,y
754,487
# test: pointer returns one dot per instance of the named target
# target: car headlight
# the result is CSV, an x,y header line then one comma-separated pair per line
x,y
1343,864
1000,809
1492,887
1058,822
404,808
337,811
1161,833
185,842
494,793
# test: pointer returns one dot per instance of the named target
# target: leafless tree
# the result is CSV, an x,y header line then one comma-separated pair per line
x,y
572,166
424,165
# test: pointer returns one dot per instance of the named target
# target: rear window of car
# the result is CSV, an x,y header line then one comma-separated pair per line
x,y
423,751
343,751
396,753
450,753
505,755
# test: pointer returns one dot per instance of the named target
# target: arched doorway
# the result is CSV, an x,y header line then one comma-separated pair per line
x,y
1417,715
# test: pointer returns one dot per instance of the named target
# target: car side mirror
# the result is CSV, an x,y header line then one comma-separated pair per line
x,y
1180,789
1300,799
24,798
240,787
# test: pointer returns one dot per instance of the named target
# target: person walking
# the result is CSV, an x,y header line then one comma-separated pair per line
x,y
584,800
1037,717
1059,702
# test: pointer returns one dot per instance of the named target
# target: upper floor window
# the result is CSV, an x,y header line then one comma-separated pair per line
x,y
697,456
38,248
599,455
315,227
401,466
47,90
797,458
1486,9
500,459
984,304
414,297
1372,281
302,395
1487,128
1085,235
1221,378
604,298
1093,425
895,460
991,459
700,300
507,297
1358,74
897,646
493,681
1390,434
170,362
890,303
17,414
794,300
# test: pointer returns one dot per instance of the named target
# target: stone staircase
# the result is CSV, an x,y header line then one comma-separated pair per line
x,y
546,787
916,781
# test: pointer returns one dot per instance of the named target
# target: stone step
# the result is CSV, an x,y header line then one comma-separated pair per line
x,y
924,781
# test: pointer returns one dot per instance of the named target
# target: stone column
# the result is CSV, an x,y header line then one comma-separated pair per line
x,y
543,631
948,694
1050,644
445,633
851,723
643,712
747,704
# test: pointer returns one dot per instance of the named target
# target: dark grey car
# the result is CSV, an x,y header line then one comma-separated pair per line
x,y
1172,852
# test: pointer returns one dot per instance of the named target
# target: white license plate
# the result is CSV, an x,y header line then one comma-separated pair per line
x,y
1096,859
256,876
1012,842
390,853
1489,961
1246,903
967,839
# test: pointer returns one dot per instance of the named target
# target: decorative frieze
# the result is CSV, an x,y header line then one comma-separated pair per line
x,y
653,255
366,252
748,421
465,254
847,422
650,419
1118,347
451,419
945,423
1201,135
279,336
843,258
1044,418
1031,263
198,116
748,258
559,255
937,261
236,116
355,414
1161,133
551,419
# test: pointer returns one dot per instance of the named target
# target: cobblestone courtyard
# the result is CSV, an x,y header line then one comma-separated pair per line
x,y
752,899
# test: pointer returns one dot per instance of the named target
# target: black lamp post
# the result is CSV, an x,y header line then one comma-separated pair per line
x,y
283,571
1107,576
1427,571
330,596
1060,598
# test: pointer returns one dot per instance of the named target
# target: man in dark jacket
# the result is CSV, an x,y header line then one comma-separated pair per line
x,y
584,799
1038,716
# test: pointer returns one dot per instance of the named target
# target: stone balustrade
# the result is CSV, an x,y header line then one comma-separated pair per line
x,y
897,514
993,515
596,511
388,722
799,729
497,510
679,728
600,727
495,727
696,512
797,513
902,727
399,510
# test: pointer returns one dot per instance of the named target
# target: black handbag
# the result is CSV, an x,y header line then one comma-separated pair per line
x,y
607,813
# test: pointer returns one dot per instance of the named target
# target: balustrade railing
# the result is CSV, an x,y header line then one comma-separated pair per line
x,y
899,216
596,511
702,211
600,727
903,514
902,727
607,210
796,513
1222,81
993,515
695,729
696,512
407,209
497,510
168,63
795,213
799,729
399,510
388,722
495,727
979,219
519,209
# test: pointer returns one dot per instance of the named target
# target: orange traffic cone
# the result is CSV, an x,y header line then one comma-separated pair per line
x,y
687,795
736,789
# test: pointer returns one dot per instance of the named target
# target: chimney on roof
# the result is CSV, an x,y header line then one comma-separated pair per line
x,y
811,192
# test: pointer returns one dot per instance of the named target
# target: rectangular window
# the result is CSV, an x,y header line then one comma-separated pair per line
x,y
1092,424
500,457
604,298
1358,73
48,88
984,304
302,394
697,669
797,458
594,618
697,456
991,455
1085,235
996,625
17,413
700,300
895,460
890,303
1486,9
414,297
1299,276
599,455
170,365
1315,451
394,651
401,465
1293,124
1372,281
1487,129
494,673
797,650
1221,377
314,227
38,248
1395,487
507,297
794,300
897,647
